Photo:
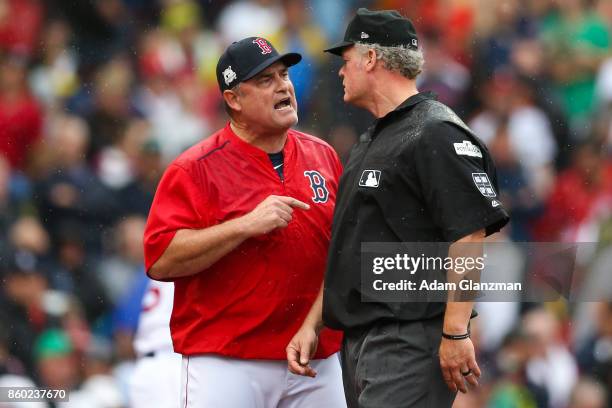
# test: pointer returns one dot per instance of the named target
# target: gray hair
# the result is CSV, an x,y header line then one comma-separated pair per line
x,y
401,59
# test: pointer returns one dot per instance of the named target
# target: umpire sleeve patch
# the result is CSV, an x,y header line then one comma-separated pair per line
x,y
467,148
483,184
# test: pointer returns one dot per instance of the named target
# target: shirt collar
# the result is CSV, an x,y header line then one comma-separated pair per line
x,y
403,107
414,99
256,151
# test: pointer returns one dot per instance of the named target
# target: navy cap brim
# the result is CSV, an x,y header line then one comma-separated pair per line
x,y
290,59
337,49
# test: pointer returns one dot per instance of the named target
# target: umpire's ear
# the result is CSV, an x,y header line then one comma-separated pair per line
x,y
370,60
232,98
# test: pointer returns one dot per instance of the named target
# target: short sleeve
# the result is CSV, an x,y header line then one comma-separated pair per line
x,y
177,205
458,181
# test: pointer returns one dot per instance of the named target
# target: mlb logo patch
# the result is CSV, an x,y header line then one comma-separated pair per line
x,y
370,178
483,184
229,75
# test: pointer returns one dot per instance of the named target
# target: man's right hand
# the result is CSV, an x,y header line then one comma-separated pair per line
x,y
272,213
191,251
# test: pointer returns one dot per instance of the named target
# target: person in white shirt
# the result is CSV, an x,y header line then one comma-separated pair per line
x,y
156,380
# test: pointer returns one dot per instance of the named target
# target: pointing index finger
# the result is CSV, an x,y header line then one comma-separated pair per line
x,y
293,202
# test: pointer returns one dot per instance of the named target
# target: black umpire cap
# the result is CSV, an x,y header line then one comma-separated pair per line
x,y
244,59
386,27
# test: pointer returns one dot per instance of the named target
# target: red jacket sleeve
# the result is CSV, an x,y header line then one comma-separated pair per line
x,y
178,204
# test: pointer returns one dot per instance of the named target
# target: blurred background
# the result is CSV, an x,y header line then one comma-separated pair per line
x,y
98,96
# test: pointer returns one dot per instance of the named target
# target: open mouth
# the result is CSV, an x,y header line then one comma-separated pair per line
x,y
283,104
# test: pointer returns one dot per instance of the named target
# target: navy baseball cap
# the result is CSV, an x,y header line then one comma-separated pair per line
x,y
244,59
386,27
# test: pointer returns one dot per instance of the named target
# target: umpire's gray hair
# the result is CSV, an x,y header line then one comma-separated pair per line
x,y
406,61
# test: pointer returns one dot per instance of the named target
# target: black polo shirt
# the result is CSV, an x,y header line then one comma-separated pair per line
x,y
414,176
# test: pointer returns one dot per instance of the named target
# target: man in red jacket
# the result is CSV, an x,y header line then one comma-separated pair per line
x,y
241,223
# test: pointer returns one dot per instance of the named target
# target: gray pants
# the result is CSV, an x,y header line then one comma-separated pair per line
x,y
395,365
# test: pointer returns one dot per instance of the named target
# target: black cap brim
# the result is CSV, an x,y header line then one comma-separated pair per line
x,y
290,59
337,49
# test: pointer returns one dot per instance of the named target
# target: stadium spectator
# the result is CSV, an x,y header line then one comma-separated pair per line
x,y
21,118
588,394
54,77
579,193
247,18
136,197
170,104
300,34
513,389
530,137
20,22
120,271
73,272
24,288
574,28
595,356
70,192
551,366
56,360
443,75
99,388
111,105
515,191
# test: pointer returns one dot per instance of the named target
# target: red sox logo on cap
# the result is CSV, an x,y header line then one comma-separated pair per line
x,y
263,45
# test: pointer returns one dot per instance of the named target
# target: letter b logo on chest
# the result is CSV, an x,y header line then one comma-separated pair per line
x,y
317,183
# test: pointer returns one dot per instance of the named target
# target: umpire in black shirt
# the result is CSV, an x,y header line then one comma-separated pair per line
x,y
418,174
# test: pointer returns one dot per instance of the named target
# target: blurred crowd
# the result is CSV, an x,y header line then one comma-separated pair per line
x,y
98,96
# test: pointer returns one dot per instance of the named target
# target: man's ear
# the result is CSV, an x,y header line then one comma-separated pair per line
x,y
370,60
232,99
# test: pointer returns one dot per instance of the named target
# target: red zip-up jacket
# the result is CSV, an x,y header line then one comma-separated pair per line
x,y
251,302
